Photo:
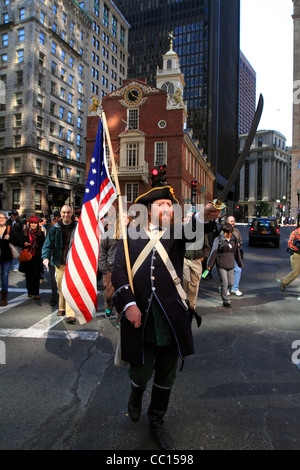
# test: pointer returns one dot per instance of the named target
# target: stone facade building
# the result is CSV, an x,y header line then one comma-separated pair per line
x,y
55,56
264,178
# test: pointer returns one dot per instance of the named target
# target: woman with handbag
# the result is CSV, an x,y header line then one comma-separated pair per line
x,y
30,257
5,257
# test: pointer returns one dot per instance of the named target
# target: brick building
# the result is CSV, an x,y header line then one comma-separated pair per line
x,y
147,129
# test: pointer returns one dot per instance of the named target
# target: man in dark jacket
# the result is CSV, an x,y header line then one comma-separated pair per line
x,y
155,324
16,231
56,248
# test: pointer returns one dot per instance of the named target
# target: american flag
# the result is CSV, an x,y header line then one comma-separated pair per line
x,y
79,285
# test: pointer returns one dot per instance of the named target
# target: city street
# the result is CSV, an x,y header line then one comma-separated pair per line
x,y
240,391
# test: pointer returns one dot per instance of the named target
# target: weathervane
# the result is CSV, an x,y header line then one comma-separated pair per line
x,y
171,37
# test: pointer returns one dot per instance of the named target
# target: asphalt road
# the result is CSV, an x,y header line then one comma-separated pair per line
x,y
240,391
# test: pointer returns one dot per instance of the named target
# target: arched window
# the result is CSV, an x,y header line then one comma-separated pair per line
x,y
169,64
168,87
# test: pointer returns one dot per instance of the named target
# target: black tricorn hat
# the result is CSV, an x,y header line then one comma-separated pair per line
x,y
158,192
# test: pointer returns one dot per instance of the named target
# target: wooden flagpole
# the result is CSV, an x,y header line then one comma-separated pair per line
x,y
121,213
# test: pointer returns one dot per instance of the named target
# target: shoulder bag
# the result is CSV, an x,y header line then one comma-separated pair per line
x,y
13,249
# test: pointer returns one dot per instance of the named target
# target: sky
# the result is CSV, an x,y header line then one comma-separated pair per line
x,y
266,40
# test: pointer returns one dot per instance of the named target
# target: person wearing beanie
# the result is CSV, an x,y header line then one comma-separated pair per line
x,y
32,240
155,328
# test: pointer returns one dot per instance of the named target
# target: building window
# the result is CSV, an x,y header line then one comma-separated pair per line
x,y
59,172
19,99
42,38
21,35
168,87
51,150
105,15
17,164
22,14
5,39
68,174
122,36
50,169
18,120
133,118
38,200
39,142
20,55
42,59
52,108
2,123
38,166
39,122
17,141
132,155
160,157
114,24
132,191
40,100
16,199
4,58
60,153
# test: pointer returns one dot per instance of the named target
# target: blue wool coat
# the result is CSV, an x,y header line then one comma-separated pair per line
x,y
152,280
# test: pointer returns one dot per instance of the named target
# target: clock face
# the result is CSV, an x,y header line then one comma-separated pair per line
x,y
133,95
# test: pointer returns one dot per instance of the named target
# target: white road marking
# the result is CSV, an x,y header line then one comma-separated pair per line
x,y
49,334
14,302
42,329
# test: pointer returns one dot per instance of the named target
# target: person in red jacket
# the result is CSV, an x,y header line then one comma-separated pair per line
x,y
33,238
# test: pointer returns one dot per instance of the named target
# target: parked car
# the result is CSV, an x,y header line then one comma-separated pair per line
x,y
264,230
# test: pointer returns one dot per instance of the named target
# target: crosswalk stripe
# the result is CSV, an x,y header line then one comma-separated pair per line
x,y
49,334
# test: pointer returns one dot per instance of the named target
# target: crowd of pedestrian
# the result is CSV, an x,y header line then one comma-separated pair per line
x,y
153,317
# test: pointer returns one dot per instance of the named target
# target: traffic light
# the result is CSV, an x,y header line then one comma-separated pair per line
x,y
161,174
158,175
154,177
194,190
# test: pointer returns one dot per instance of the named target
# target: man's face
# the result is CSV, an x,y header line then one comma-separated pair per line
x,y
162,212
231,221
66,214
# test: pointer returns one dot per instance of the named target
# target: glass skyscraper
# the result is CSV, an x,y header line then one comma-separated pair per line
x,y
206,39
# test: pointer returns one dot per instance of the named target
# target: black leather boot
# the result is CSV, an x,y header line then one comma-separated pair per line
x,y
157,409
135,402
3,302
